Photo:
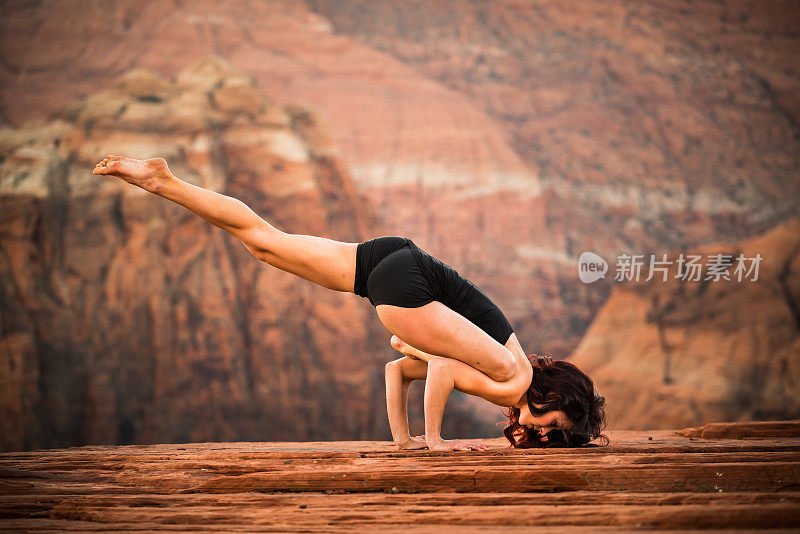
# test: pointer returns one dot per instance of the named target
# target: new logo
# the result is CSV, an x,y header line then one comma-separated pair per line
x,y
591,267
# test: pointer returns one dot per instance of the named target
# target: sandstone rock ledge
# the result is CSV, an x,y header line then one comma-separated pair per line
x,y
657,480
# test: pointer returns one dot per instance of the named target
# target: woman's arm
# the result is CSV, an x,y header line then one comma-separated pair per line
x,y
442,375
440,381
399,375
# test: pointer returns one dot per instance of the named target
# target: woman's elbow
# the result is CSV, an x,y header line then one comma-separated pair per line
x,y
393,369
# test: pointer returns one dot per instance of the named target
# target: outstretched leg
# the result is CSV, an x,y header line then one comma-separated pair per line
x,y
326,262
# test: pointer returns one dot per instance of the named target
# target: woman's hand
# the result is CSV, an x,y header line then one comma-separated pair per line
x,y
414,444
456,445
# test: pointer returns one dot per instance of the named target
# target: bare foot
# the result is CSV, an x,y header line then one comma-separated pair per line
x,y
397,343
149,174
401,346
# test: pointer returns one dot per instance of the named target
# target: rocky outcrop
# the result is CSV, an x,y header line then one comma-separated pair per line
x,y
127,319
678,353
619,109
644,128
658,480
505,139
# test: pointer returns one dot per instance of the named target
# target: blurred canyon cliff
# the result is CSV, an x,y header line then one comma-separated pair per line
x,y
505,138
128,318
676,353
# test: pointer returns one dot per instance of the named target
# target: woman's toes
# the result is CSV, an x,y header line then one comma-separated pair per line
x,y
396,343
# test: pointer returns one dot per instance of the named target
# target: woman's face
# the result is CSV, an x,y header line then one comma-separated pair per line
x,y
542,424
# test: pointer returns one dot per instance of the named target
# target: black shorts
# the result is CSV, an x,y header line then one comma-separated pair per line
x,y
393,270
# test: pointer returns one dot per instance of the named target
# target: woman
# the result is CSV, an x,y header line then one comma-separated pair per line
x,y
451,334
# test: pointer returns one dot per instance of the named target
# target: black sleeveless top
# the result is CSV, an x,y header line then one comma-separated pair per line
x,y
445,285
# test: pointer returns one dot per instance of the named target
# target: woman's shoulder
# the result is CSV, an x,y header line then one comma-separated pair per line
x,y
524,373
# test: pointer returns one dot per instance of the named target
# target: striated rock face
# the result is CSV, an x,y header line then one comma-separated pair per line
x,y
506,139
643,127
126,318
679,353
656,480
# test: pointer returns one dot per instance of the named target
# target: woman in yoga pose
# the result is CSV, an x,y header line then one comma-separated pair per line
x,y
451,334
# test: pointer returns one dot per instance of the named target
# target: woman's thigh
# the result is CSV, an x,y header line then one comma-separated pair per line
x,y
326,262
436,329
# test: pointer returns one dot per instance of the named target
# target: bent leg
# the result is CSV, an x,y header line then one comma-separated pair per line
x,y
437,330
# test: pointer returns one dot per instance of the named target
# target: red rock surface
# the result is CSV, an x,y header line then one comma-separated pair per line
x,y
654,480
676,353
506,138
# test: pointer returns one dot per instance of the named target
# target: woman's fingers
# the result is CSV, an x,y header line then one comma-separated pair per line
x,y
469,446
457,445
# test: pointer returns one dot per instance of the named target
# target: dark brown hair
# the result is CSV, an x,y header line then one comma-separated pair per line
x,y
559,386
